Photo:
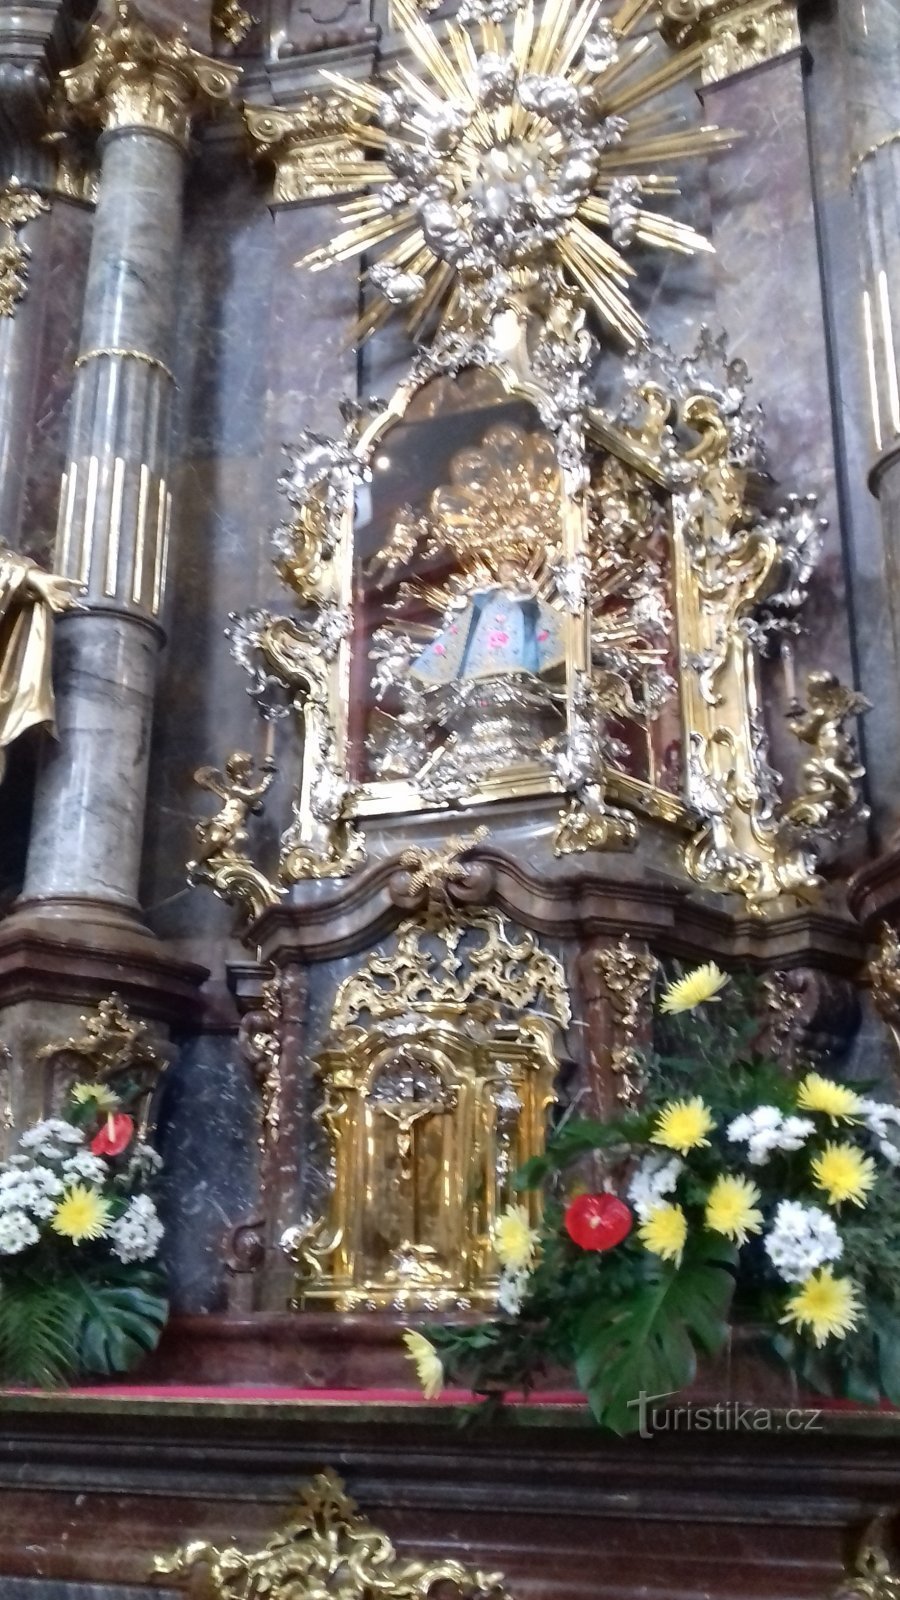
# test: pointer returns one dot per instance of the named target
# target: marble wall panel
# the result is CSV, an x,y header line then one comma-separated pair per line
x,y
207,1137
262,354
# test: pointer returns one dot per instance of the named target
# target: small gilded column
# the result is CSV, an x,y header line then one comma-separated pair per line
x,y
144,90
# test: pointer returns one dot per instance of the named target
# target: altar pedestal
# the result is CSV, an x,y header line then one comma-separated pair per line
x,y
96,1487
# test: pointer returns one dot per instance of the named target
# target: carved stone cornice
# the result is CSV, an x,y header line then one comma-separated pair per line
x,y
734,34
132,77
304,146
573,905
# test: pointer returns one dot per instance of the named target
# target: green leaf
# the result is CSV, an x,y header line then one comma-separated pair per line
x,y
646,1344
578,1137
121,1319
886,1334
38,1332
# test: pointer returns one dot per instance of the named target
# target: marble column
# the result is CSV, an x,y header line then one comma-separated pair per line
x,y
144,90
870,37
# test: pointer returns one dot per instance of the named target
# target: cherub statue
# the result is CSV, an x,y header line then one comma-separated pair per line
x,y
829,776
221,860
28,599
224,834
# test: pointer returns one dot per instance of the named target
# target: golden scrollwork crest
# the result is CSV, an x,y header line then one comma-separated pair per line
x,y
883,974
113,1048
424,969
327,1549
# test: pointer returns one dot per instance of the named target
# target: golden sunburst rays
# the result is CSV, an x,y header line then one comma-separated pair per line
x,y
507,161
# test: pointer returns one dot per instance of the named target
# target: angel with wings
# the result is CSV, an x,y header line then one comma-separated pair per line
x,y
242,794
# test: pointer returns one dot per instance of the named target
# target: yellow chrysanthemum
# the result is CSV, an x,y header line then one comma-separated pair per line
x,y
97,1094
429,1367
664,1232
81,1214
844,1173
682,1125
827,1305
514,1239
731,1208
694,989
834,1100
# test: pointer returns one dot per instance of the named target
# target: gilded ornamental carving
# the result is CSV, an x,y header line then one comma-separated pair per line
x,y
328,1548
436,1075
18,205
732,34
130,76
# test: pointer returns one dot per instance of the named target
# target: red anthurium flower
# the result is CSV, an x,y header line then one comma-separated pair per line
x,y
114,1135
598,1221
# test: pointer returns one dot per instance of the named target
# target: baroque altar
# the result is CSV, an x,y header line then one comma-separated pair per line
x,y
436,468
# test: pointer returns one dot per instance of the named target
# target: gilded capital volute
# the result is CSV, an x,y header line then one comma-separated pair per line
x,y
307,147
133,77
733,34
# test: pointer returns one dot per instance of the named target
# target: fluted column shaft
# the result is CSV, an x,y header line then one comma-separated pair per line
x,y
115,505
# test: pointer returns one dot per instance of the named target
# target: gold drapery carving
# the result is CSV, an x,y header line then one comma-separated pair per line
x,y
28,599
328,1548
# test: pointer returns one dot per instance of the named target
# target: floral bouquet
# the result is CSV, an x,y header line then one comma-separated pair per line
x,y
80,1288
736,1193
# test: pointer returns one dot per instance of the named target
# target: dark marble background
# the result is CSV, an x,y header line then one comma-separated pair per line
x,y
47,1589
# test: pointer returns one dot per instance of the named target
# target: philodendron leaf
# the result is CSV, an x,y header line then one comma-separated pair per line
x,y
38,1332
120,1320
647,1344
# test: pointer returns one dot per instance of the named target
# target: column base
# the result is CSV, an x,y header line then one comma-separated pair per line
x,y
79,950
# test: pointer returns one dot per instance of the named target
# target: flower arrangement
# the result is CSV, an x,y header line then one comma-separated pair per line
x,y
736,1193
81,1290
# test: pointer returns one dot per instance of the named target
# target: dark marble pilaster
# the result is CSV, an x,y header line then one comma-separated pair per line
x,y
18,343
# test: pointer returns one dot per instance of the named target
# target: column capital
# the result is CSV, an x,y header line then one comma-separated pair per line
x,y
734,34
133,77
305,146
